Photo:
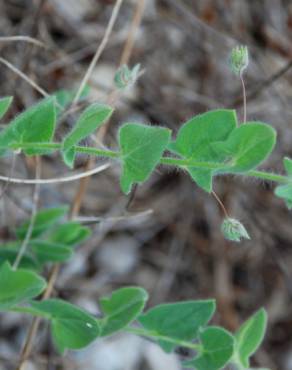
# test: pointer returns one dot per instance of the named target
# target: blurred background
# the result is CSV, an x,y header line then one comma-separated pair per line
x,y
169,240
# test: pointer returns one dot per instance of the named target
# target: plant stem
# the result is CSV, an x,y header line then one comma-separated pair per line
x,y
269,176
58,146
98,152
221,204
145,333
244,97
169,161
112,154
189,163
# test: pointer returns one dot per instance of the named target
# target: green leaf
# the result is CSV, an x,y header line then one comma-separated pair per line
x,y
121,308
35,125
69,233
217,349
9,253
285,191
71,326
46,251
288,165
92,118
195,138
247,146
18,286
250,335
5,104
141,147
44,219
69,156
178,321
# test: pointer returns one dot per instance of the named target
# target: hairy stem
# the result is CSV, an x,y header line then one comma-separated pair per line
x,y
58,146
269,176
169,161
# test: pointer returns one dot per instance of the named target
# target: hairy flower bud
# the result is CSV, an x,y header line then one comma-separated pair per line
x,y
239,59
126,77
234,230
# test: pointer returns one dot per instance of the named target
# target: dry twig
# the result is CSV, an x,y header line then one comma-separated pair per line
x,y
28,39
99,50
56,180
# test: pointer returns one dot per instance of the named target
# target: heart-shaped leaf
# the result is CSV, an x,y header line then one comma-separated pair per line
x,y
247,147
195,138
35,125
178,321
92,118
71,326
141,149
121,308
217,349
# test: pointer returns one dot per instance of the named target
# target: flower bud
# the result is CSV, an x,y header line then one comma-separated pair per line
x,y
239,59
234,230
126,77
